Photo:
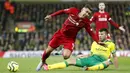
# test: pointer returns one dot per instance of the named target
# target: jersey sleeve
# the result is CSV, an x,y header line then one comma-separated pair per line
x,y
113,50
69,10
90,32
112,22
66,11
93,18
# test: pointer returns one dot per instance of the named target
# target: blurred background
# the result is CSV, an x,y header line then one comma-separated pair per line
x,y
22,25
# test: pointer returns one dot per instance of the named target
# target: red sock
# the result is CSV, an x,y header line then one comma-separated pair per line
x,y
45,56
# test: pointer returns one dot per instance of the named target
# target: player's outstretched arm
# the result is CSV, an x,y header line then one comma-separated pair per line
x,y
111,21
116,25
57,13
82,56
91,33
115,61
92,19
48,17
66,11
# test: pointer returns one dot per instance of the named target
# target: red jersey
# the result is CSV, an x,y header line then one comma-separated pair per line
x,y
73,24
101,20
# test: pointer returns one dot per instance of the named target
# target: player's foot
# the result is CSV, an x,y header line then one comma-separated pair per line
x,y
39,66
45,67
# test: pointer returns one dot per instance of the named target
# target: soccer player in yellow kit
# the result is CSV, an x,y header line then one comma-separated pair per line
x,y
99,58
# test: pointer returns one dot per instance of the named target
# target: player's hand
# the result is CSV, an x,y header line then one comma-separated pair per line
x,y
80,56
121,28
48,17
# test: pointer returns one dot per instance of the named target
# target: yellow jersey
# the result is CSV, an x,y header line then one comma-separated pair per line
x,y
103,51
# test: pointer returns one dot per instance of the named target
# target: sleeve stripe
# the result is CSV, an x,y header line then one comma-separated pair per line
x,y
91,18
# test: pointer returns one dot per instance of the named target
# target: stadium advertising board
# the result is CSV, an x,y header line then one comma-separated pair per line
x,y
27,54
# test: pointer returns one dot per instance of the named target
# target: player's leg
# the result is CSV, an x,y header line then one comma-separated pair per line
x,y
61,65
66,63
90,62
66,54
68,48
52,45
45,55
80,62
99,66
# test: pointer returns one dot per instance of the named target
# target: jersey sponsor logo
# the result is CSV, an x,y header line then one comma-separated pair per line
x,y
102,19
100,49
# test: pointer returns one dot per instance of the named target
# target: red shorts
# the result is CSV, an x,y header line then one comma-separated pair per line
x,y
67,43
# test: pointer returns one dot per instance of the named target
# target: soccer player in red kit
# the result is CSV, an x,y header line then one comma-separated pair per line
x,y
67,34
102,18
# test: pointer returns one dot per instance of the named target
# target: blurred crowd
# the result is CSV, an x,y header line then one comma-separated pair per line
x,y
23,41
38,40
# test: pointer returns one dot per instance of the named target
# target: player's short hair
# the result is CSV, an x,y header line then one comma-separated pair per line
x,y
104,29
88,6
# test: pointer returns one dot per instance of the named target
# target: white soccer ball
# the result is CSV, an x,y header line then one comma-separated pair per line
x,y
13,66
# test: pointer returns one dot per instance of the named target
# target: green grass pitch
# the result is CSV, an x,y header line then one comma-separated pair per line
x,y
28,65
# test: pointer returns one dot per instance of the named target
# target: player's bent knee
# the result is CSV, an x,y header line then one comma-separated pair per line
x,y
66,53
49,49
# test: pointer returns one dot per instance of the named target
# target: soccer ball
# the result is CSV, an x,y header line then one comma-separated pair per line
x,y
13,66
